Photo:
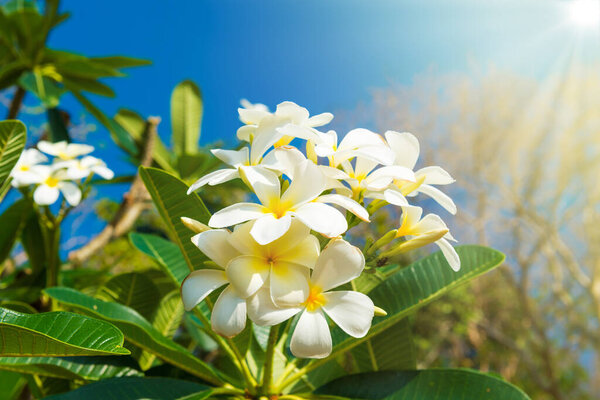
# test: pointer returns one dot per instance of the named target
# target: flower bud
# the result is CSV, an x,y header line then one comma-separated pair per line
x,y
380,312
193,225
382,241
416,242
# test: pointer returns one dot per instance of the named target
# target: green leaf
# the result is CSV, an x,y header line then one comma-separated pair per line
x,y
166,254
43,87
57,125
169,196
10,73
133,388
12,142
86,68
57,334
88,85
186,117
12,384
119,62
416,285
12,222
433,384
132,289
137,330
31,237
88,368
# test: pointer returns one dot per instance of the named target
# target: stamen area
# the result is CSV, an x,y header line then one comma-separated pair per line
x,y
51,181
315,299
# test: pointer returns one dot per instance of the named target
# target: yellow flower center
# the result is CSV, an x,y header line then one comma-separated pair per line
x,y
24,168
279,208
64,156
51,181
407,187
315,299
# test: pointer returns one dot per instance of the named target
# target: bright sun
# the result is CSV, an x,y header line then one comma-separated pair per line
x,y
585,13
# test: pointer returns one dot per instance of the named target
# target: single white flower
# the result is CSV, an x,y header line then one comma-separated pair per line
x,y
252,113
284,263
64,150
353,312
228,316
51,182
24,173
357,142
426,230
301,200
406,150
81,168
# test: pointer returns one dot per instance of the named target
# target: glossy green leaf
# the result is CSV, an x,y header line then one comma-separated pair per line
x,y
186,117
57,334
12,222
433,384
12,142
169,196
133,388
132,289
137,330
88,368
166,254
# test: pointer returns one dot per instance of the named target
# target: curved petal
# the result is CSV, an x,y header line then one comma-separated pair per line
x,y
263,182
268,228
346,203
440,197
322,218
364,166
215,245
435,176
289,157
395,197
319,119
305,251
308,183
103,171
78,149
214,178
449,253
71,192
45,195
235,158
51,148
247,274
252,115
200,284
391,172
229,314
241,239
430,222
311,338
292,111
262,311
266,135
235,214
351,311
289,283
246,133
298,131
339,263
405,147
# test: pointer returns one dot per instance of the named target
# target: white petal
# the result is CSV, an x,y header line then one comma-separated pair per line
x,y
215,245
364,143
339,263
347,203
364,166
311,338
235,158
325,146
440,197
78,149
320,119
31,157
391,172
269,228
304,249
246,132
71,192
266,135
247,274
292,110
229,314
298,131
405,147
395,197
289,157
430,222
200,284
45,195
351,311
308,183
264,183
214,178
322,218
236,214
252,115
289,283
449,253
51,148
411,215
435,176
262,311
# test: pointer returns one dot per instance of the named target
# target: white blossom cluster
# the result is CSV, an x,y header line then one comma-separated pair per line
x,y
70,164
271,261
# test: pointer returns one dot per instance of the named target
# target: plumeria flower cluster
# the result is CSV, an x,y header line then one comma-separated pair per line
x,y
268,254
70,164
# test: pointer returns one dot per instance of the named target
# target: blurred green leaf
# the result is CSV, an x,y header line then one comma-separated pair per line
x,y
88,85
57,334
43,87
85,68
57,126
31,237
12,222
119,62
12,383
134,290
186,117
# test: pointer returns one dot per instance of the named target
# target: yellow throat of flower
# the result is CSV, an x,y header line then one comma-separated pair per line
x,y
315,299
51,181
407,187
24,168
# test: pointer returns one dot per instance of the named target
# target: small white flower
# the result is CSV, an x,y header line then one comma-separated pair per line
x,y
24,173
252,114
357,143
51,182
353,312
301,200
79,169
64,150
406,149
430,226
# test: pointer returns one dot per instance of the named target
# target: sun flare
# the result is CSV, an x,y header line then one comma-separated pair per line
x,y
585,13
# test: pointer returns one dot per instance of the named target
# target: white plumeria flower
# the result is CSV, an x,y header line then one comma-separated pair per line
x,y
357,142
430,226
228,316
24,173
353,312
79,169
252,113
64,150
301,200
406,149
284,263
51,182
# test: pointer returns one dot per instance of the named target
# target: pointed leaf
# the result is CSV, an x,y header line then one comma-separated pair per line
x,y
166,254
12,143
186,116
134,290
119,62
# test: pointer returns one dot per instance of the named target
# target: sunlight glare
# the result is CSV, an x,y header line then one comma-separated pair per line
x,y
585,13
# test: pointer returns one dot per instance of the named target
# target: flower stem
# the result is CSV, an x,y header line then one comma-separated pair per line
x,y
267,381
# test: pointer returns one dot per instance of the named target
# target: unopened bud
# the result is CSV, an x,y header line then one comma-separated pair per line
x,y
193,225
380,312
382,241
416,242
